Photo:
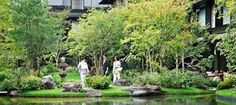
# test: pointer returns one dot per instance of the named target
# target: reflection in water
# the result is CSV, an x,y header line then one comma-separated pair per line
x,y
165,100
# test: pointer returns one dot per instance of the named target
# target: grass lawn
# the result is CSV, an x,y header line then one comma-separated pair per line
x,y
71,77
227,93
113,91
186,91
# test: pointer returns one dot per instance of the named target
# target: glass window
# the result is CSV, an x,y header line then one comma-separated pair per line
x,y
226,16
202,17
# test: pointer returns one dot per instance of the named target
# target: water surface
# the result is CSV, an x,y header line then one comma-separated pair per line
x,y
161,100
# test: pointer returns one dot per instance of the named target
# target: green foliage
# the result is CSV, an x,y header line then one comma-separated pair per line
x,y
30,83
98,32
227,47
130,75
5,75
36,30
198,80
149,25
227,83
7,81
98,82
147,78
174,79
8,84
49,69
72,69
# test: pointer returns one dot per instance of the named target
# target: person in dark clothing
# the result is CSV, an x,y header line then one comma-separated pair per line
x,y
105,64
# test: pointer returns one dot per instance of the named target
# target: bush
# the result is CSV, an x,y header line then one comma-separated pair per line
x,y
198,80
179,79
49,68
147,78
227,83
130,75
72,69
5,75
174,79
98,82
30,83
8,84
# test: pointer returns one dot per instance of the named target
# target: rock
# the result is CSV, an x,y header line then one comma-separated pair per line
x,y
14,93
216,79
138,91
71,87
93,92
48,82
121,83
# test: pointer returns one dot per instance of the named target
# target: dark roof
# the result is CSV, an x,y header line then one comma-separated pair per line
x,y
203,3
107,2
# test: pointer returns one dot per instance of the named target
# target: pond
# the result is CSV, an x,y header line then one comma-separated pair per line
x,y
161,100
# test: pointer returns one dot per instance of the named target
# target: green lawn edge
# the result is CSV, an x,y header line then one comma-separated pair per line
x,y
185,91
116,91
111,92
226,96
227,93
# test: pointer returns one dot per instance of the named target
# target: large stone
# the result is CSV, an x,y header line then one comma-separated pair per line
x,y
14,93
93,92
71,87
138,91
121,83
48,82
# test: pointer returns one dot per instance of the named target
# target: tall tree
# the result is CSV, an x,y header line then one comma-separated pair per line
x,y
164,23
35,29
98,32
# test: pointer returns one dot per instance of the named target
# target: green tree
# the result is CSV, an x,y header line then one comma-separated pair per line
x,y
164,23
227,43
35,29
98,32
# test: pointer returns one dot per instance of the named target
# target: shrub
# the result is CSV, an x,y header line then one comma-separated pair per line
x,y
49,68
227,83
8,84
72,69
30,83
98,82
147,78
130,75
198,80
5,75
174,79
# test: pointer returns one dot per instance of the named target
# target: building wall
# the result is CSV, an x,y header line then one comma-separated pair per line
x,y
77,4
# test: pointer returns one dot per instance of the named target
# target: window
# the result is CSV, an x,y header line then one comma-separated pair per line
x,y
77,4
202,17
55,2
226,16
213,17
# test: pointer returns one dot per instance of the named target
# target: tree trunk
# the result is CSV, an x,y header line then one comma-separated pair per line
x,y
149,60
160,61
176,62
182,59
38,61
95,62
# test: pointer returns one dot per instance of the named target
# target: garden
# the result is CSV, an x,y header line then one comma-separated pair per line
x,y
163,51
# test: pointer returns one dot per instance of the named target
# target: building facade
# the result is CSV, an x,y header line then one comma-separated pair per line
x,y
216,19
76,7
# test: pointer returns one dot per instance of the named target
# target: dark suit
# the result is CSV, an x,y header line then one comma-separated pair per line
x,y
105,66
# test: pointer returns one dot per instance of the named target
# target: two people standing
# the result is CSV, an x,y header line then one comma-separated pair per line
x,y
116,67
84,69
